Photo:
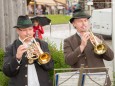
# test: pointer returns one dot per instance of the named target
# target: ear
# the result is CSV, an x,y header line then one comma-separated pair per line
x,y
73,24
17,30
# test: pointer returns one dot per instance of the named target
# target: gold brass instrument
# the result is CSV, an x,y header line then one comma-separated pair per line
x,y
40,56
99,47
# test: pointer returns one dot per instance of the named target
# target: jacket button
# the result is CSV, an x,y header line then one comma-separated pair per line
x,y
26,65
17,67
25,75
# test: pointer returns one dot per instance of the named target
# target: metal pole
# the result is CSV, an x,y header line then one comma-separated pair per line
x,y
54,80
80,75
34,7
113,28
50,29
69,28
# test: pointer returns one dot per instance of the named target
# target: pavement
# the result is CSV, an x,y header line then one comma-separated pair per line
x,y
57,33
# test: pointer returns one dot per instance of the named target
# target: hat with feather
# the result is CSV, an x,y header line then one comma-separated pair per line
x,y
79,13
23,22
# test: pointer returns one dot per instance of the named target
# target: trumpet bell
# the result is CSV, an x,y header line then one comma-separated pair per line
x,y
100,49
34,52
44,58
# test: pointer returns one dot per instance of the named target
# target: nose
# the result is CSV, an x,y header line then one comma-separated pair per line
x,y
83,23
28,32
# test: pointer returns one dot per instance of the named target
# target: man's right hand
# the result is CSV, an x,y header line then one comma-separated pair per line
x,y
84,38
21,49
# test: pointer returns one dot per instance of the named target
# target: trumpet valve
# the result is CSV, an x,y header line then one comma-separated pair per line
x,y
30,61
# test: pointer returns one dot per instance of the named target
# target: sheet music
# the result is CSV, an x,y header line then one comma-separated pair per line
x,y
69,79
99,78
72,78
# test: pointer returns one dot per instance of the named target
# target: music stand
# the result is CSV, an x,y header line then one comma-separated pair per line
x,y
79,78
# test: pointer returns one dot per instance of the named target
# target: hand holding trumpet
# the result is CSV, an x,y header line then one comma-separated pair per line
x,y
84,38
34,52
24,48
21,49
99,46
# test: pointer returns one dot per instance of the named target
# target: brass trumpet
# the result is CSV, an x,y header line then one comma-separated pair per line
x,y
99,47
40,56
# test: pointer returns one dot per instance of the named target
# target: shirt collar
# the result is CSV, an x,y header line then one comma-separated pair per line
x,y
79,34
26,44
20,39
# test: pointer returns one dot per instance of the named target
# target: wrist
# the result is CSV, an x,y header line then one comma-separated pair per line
x,y
17,57
82,48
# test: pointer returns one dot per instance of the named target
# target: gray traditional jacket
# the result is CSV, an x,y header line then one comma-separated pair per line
x,y
75,58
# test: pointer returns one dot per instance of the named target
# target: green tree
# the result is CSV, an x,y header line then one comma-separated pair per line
x,y
3,78
58,57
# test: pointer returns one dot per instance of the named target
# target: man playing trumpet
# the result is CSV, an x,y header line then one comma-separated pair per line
x,y
23,68
85,48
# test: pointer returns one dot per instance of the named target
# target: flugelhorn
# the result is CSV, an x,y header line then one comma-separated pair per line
x,y
40,56
99,47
